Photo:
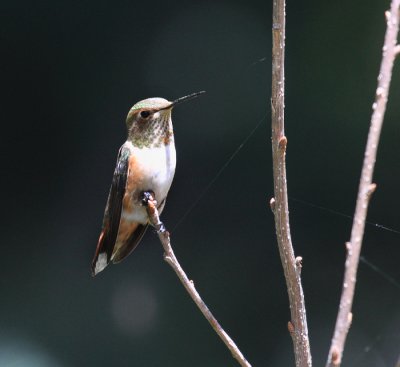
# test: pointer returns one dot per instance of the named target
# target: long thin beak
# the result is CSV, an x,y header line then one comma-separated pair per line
x,y
182,99
186,98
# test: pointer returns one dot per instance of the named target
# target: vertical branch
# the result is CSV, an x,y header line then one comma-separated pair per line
x,y
279,204
366,187
171,259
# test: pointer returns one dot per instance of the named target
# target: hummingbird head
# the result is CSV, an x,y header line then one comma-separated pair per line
x,y
149,121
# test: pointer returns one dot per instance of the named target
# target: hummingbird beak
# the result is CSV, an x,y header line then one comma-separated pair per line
x,y
183,99
186,98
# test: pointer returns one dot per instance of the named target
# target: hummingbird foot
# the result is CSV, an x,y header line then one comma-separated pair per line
x,y
150,203
147,196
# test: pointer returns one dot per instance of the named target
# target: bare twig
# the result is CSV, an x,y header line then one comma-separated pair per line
x,y
170,258
279,204
366,187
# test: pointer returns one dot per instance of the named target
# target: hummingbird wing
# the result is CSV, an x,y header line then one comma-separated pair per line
x,y
112,214
123,251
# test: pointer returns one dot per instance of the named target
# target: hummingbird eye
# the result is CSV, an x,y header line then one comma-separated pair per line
x,y
145,114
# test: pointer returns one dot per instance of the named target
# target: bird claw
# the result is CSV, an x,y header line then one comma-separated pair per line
x,y
147,196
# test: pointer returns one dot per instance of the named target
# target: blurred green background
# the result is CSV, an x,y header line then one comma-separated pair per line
x,y
71,71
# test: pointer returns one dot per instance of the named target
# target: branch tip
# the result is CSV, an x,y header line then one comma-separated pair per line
x,y
167,258
282,143
349,318
299,262
272,204
290,327
397,50
335,357
371,189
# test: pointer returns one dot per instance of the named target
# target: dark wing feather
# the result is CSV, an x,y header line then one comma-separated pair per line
x,y
131,244
133,240
112,214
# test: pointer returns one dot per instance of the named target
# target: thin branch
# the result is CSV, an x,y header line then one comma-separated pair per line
x,y
170,258
366,187
279,204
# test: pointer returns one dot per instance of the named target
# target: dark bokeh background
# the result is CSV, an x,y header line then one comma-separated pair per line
x,y
71,71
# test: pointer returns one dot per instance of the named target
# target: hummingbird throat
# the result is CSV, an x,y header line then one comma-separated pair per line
x,y
152,134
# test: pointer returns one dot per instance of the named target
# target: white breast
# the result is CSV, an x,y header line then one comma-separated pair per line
x,y
157,167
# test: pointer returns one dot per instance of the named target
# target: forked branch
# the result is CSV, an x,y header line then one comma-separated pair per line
x,y
366,187
170,258
279,204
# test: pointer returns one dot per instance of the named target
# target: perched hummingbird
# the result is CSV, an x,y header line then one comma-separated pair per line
x,y
146,163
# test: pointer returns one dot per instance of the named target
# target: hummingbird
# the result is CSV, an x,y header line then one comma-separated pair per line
x,y
146,164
